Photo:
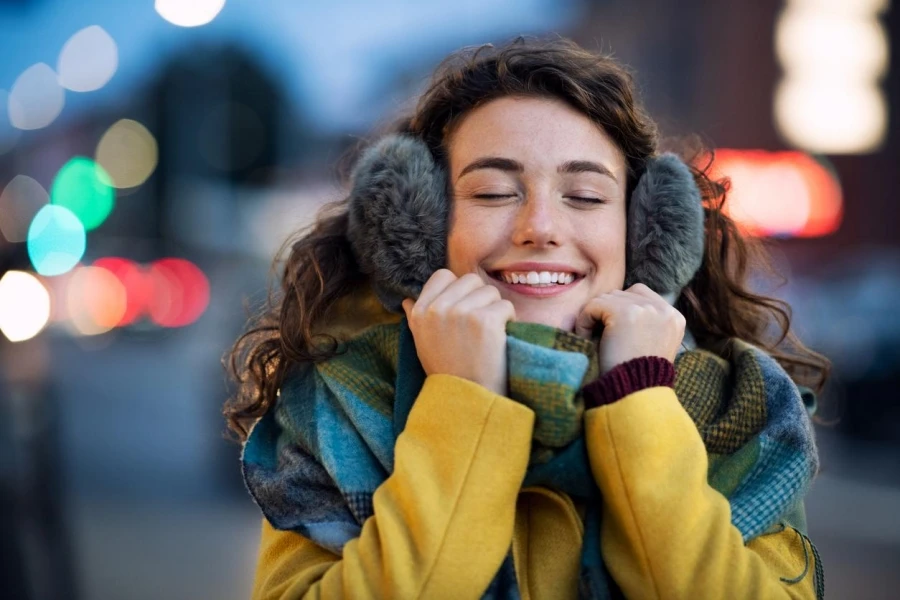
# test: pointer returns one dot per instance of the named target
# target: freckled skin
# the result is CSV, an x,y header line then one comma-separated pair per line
x,y
538,214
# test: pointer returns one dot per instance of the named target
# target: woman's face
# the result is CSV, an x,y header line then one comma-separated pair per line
x,y
538,207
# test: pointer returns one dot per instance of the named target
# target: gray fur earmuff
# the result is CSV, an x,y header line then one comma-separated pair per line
x,y
399,211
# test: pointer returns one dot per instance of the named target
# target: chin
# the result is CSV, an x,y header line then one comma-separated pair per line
x,y
564,322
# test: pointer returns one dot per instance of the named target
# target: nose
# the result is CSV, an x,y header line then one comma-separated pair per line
x,y
536,222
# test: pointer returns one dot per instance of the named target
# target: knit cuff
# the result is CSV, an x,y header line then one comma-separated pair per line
x,y
627,378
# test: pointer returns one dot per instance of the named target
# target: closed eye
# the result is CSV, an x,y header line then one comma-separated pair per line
x,y
493,196
587,199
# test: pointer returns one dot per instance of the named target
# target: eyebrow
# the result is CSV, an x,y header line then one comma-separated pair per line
x,y
493,162
586,166
514,166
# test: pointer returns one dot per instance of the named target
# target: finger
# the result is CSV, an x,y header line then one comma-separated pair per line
x,y
407,305
597,311
503,310
645,292
456,291
436,284
478,298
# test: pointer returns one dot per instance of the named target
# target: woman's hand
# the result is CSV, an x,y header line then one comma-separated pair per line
x,y
636,322
459,326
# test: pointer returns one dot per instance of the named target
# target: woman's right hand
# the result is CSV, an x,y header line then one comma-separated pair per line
x,y
459,326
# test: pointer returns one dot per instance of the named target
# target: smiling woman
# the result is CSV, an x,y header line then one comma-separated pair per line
x,y
467,385
536,192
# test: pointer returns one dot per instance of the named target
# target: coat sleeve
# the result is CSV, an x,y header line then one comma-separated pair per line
x,y
442,522
666,533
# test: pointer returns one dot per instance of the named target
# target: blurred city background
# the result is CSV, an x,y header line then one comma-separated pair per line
x,y
154,155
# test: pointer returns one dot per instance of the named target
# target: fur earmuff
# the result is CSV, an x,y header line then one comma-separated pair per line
x,y
399,211
665,227
398,217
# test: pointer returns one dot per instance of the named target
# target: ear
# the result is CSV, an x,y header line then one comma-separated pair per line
x,y
398,217
664,243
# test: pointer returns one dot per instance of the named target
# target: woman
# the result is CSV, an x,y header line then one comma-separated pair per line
x,y
468,387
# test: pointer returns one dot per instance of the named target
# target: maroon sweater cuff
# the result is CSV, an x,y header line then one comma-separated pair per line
x,y
627,378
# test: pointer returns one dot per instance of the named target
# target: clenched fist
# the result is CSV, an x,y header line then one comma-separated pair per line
x,y
636,322
459,326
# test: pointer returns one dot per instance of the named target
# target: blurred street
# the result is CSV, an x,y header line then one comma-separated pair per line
x,y
154,157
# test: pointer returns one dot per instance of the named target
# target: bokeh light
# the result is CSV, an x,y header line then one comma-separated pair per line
x,y
128,153
36,98
844,6
84,188
56,240
834,55
780,193
20,201
804,42
88,60
831,118
9,135
96,300
136,283
180,292
24,306
189,14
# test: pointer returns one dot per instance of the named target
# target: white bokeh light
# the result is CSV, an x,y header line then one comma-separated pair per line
x,y
24,306
36,98
805,43
88,60
20,201
831,118
189,13
866,7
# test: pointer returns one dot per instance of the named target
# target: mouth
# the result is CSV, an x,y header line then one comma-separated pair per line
x,y
537,279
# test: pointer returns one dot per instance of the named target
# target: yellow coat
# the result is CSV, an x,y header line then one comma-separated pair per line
x,y
445,519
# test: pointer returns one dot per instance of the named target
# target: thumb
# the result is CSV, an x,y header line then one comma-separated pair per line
x,y
407,305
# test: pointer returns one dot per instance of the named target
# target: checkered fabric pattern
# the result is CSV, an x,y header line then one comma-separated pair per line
x,y
313,463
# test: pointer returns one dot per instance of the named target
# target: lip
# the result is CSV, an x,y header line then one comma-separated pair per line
x,y
538,266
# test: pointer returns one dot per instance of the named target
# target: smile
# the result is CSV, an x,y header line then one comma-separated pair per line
x,y
536,278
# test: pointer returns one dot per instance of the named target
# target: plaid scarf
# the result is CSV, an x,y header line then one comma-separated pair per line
x,y
313,462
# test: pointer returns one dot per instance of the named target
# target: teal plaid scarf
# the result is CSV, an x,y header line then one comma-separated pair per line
x,y
314,461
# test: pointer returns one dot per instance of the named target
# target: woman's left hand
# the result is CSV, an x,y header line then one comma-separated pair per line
x,y
636,322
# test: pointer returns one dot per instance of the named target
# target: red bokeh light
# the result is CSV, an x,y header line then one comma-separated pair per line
x,y
172,292
180,292
780,193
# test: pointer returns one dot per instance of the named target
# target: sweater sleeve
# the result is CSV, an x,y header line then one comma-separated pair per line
x,y
666,533
442,522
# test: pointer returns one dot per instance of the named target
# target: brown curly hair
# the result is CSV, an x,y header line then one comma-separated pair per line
x,y
320,272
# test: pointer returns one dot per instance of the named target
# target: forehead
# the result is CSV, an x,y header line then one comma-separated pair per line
x,y
539,132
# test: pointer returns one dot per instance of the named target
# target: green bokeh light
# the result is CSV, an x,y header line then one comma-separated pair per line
x,y
56,240
86,189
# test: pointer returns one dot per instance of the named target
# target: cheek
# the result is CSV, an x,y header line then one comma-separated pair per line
x,y
462,245
606,247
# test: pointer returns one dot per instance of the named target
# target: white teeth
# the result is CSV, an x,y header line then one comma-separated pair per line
x,y
538,278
